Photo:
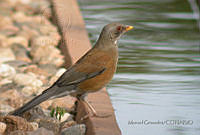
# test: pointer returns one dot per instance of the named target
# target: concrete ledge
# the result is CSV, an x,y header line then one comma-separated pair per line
x,y
99,126
75,41
75,44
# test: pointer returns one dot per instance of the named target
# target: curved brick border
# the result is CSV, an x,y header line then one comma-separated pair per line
x,y
75,44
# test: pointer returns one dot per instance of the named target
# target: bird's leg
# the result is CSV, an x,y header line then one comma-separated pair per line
x,y
94,113
90,107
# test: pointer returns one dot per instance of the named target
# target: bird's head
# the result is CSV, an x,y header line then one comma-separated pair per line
x,y
113,31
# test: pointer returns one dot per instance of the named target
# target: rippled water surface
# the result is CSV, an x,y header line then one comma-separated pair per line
x,y
158,75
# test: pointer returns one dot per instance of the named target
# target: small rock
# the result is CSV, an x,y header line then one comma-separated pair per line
x,y
7,71
66,117
26,2
15,123
18,40
6,9
28,32
44,9
7,86
23,7
3,41
21,52
18,132
27,80
45,54
67,102
68,124
5,81
58,74
41,89
5,109
9,30
6,54
17,63
5,20
12,97
36,70
48,29
46,104
74,130
49,68
44,41
39,20
34,114
2,127
29,91
47,113
44,79
34,125
40,73
20,17
41,131
50,124
51,32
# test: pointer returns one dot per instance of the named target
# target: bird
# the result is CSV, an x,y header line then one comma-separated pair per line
x,y
90,73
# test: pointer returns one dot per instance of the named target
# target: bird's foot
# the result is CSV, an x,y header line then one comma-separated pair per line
x,y
85,117
101,115
95,115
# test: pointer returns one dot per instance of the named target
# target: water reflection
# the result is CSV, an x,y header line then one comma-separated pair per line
x,y
159,63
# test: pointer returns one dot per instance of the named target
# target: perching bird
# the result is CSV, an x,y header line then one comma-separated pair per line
x,y
89,74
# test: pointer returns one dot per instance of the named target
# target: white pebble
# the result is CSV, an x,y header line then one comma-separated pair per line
x,y
2,127
7,71
65,117
34,125
27,80
60,72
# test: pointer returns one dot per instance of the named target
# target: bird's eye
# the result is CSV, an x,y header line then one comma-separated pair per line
x,y
119,28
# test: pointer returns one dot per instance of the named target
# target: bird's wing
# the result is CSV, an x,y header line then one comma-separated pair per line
x,y
73,77
87,67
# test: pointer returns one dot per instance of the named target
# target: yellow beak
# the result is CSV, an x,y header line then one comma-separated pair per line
x,y
129,28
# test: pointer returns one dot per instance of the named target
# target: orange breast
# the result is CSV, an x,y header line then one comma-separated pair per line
x,y
99,81
96,83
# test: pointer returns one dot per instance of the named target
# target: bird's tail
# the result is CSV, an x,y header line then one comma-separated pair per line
x,y
35,101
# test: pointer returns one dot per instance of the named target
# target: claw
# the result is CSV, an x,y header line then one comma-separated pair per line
x,y
93,112
102,116
85,117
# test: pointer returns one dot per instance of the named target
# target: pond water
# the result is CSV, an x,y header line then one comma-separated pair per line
x,y
156,89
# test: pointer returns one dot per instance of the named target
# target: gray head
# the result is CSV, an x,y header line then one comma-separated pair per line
x,y
113,31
